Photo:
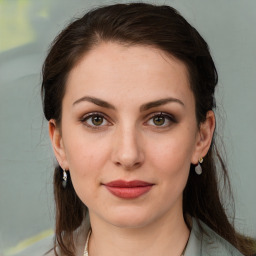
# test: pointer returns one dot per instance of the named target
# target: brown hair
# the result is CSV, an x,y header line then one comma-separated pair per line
x,y
140,24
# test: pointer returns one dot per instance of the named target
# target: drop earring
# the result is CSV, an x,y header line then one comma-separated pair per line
x,y
64,179
198,168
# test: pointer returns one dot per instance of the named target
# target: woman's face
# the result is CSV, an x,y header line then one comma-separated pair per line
x,y
128,114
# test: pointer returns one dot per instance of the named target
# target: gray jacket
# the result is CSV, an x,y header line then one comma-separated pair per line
x,y
198,245
212,245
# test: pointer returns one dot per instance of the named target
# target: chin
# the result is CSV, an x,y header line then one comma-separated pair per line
x,y
129,219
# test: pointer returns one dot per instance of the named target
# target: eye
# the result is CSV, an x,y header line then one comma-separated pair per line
x,y
161,120
94,120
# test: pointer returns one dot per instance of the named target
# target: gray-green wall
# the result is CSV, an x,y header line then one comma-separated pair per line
x,y
26,29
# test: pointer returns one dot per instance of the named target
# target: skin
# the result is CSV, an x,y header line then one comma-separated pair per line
x,y
128,143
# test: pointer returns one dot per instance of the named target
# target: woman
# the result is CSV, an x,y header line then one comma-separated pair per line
x,y
128,91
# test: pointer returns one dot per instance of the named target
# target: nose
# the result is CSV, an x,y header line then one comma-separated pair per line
x,y
127,149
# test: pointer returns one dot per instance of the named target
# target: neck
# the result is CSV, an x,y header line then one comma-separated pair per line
x,y
167,236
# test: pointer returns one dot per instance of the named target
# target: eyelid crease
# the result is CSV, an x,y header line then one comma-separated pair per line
x,y
90,114
163,114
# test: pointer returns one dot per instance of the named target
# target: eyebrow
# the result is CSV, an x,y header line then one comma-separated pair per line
x,y
143,107
160,102
96,101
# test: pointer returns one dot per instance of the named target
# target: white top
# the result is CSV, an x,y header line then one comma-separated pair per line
x,y
86,244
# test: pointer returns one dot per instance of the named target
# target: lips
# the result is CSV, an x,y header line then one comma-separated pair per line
x,y
128,189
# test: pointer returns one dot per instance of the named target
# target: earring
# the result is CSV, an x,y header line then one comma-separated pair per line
x,y
65,179
198,168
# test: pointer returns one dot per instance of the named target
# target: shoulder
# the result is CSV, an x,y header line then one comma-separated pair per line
x,y
213,244
209,244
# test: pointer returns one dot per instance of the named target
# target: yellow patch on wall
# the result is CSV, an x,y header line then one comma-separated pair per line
x,y
16,28
28,242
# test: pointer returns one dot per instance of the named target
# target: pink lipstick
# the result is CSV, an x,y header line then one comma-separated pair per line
x,y
128,189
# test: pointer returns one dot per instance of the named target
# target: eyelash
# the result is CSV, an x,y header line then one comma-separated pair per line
x,y
86,117
167,117
170,119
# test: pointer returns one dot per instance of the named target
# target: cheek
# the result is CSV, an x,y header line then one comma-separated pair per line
x,y
86,159
172,155
85,156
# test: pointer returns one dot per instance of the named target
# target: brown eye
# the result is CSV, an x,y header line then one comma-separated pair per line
x,y
97,120
159,120
94,120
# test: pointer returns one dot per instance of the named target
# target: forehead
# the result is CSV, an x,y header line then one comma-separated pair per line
x,y
112,69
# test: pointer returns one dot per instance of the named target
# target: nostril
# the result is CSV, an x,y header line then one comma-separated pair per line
x,y
118,163
137,164
128,166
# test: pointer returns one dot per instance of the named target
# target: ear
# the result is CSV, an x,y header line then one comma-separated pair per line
x,y
204,137
57,144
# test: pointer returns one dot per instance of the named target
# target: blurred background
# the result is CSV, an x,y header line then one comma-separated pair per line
x,y
27,27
